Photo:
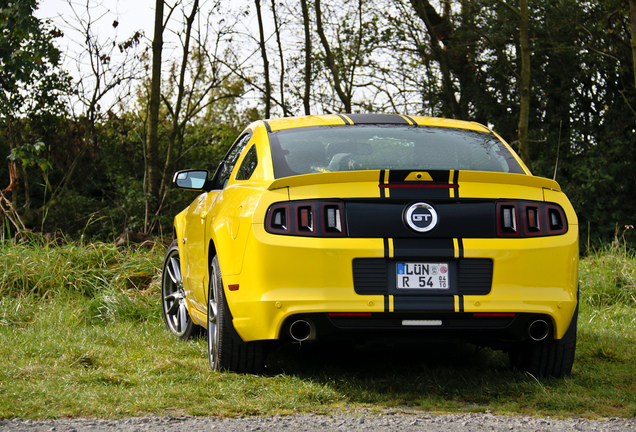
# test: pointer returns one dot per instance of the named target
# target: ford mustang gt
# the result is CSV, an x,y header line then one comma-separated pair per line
x,y
373,227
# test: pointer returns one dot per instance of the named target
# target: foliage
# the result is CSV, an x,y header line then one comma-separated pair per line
x,y
84,174
87,320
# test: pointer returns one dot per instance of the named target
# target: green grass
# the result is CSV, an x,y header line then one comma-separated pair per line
x,y
81,335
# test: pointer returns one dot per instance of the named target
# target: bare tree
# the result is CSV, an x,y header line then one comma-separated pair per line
x,y
343,93
268,87
279,43
152,178
307,76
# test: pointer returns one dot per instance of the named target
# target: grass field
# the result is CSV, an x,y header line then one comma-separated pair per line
x,y
81,335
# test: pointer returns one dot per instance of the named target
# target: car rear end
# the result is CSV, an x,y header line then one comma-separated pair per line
x,y
415,254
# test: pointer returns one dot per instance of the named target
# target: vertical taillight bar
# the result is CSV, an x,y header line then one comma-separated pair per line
x,y
507,219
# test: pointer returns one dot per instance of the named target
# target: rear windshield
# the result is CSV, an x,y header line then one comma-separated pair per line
x,y
374,147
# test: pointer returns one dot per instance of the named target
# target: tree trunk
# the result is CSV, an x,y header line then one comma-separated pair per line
x,y
632,8
434,25
281,83
307,25
176,133
524,84
268,86
331,62
152,166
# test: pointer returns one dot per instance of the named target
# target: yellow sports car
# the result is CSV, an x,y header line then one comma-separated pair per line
x,y
373,226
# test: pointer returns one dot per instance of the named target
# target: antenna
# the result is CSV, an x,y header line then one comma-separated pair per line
x,y
556,164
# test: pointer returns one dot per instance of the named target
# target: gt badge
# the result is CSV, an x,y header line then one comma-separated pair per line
x,y
421,217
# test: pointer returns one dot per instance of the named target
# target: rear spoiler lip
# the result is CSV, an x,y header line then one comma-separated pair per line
x,y
373,176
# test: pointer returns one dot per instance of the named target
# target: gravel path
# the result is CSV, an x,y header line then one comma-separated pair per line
x,y
394,422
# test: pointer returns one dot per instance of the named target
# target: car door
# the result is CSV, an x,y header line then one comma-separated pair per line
x,y
196,239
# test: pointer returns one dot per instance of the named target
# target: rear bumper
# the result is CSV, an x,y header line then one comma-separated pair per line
x,y
285,278
485,329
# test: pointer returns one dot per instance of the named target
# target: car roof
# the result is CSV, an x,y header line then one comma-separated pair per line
x,y
368,119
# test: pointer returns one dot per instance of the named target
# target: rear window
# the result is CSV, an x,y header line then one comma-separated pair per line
x,y
375,147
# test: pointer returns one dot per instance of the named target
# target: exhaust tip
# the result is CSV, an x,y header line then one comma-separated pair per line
x,y
538,330
302,330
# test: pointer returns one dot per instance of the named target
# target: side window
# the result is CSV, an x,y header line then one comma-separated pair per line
x,y
248,165
224,170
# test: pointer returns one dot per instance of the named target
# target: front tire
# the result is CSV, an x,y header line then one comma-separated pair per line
x,y
174,305
226,350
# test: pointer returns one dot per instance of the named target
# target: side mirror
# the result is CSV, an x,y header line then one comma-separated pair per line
x,y
191,179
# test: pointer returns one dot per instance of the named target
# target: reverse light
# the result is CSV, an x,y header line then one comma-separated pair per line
x,y
508,219
333,218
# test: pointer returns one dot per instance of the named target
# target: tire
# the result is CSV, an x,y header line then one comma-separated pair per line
x,y
550,358
226,350
173,299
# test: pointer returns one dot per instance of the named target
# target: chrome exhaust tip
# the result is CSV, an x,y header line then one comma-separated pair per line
x,y
302,330
538,330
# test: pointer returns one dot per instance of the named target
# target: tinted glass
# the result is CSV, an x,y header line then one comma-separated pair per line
x,y
248,165
223,172
343,148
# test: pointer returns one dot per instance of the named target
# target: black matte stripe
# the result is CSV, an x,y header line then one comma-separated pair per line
x,y
267,126
344,119
461,303
455,177
386,248
423,248
424,304
377,119
387,304
410,119
460,248
382,177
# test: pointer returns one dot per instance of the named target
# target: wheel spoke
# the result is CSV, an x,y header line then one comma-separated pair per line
x,y
172,302
183,316
213,327
174,271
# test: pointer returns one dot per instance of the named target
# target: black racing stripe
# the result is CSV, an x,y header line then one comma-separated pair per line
x,y
460,247
267,126
344,119
382,177
393,119
387,304
461,303
423,248
456,177
411,120
424,304
386,247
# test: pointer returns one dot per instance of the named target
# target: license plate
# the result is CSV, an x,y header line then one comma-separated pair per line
x,y
422,276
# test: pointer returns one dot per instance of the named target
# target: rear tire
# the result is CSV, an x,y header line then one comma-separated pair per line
x,y
550,358
226,350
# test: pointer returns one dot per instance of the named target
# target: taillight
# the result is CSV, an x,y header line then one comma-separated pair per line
x,y
556,220
314,218
507,217
533,219
333,218
305,220
529,219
